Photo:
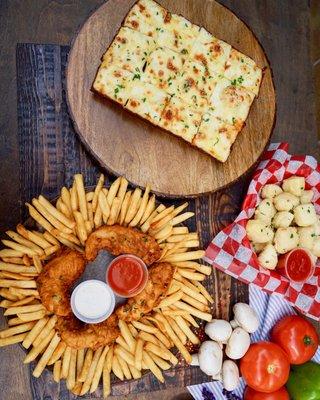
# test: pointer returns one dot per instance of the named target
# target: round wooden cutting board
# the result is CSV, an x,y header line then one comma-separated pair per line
x,y
127,145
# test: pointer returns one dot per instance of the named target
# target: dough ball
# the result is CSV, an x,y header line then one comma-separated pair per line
x,y
285,201
317,226
305,215
270,191
258,231
265,211
306,237
268,258
316,247
258,247
286,239
306,196
282,219
294,185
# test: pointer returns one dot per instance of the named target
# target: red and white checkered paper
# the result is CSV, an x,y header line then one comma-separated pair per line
x,y
231,251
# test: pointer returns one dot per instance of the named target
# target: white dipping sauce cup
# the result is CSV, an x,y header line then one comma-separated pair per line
x,y
92,301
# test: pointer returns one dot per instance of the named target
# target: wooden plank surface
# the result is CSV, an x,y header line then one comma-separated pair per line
x,y
282,28
175,170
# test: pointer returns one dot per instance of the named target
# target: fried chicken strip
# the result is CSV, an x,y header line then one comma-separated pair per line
x,y
118,239
160,277
79,335
56,278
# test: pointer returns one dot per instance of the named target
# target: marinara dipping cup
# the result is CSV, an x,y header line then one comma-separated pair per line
x,y
127,275
92,301
297,265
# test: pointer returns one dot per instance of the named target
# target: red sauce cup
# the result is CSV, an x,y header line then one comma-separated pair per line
x,y
127,275
297,265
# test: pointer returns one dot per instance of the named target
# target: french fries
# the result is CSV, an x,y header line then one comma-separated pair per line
x,y
143,344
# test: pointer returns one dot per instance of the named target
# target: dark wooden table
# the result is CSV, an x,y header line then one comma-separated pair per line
x,y
283,30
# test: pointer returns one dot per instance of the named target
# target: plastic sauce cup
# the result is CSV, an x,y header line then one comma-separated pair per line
x,y
92,301
297,265
127,275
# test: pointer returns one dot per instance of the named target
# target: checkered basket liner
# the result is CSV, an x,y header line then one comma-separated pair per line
x,y
231,251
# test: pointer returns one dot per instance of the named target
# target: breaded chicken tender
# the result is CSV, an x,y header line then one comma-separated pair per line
x,y
118,239
160,277
57,277
79,335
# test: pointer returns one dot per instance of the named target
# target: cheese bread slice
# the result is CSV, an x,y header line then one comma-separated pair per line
x,y
194,84
163,67
242,70
230,102
211,52
181,119
129,50
177,33
147,100
114,82
145,16
215,137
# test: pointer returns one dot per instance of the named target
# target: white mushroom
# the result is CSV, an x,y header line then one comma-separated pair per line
x,y
245,317
238,344
230,375
210,358
218,330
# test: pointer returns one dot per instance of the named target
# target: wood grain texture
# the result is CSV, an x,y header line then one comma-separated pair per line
x,y
124,143
51,153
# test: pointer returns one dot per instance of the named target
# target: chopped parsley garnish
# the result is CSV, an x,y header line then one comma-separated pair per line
x,y
136,76
144,99
184,51
216,142
291,236
233,120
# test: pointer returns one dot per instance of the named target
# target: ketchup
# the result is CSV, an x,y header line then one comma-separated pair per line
x,y
297,265
127,275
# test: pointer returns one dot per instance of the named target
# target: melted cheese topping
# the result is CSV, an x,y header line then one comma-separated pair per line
x,y
147,101
145,16
177,33
129,50
194,85
113,82
180,119
171,72
162,68
230,102
241,70
215,137
211,52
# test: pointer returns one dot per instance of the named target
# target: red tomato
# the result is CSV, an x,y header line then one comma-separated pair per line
x,y
280,394
265,367
297,337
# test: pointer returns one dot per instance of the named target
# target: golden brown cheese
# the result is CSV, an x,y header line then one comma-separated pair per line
x,y
181,119
215,137
162,68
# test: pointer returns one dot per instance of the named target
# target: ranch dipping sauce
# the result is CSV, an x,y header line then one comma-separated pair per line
x,y
92,301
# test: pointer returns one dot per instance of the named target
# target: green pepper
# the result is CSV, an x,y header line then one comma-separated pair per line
x,y
304,382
